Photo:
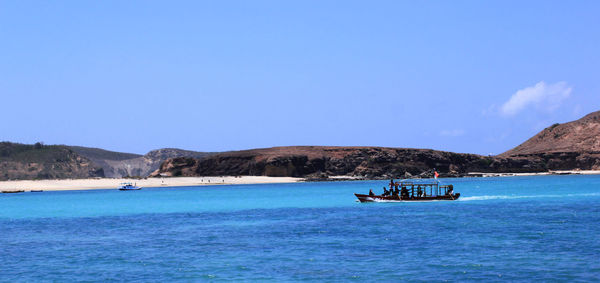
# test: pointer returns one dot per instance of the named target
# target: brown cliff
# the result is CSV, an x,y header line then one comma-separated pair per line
x,y
316,161
573,145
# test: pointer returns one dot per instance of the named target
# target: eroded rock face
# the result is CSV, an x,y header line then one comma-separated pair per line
x,y
115,166
368,162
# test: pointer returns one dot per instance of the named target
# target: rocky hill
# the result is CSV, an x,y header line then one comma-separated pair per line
x,y
118,164
38,161
320,161
569,146
573,145
582,135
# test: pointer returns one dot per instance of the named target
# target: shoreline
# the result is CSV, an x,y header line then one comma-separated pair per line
x,y
113,183
553,172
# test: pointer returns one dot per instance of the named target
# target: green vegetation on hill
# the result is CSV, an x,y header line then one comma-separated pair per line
x,y
98,153
32,153
39,161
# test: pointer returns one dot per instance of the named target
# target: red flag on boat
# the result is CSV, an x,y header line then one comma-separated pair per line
x,y
435,174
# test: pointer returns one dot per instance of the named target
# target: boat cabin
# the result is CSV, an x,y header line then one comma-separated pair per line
x,y
414,189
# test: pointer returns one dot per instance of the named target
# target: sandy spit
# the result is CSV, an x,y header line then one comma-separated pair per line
x,y
110,183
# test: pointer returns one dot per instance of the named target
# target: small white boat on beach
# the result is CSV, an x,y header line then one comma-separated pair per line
x,y
129,187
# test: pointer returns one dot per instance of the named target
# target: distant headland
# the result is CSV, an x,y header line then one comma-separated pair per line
x,y
570,146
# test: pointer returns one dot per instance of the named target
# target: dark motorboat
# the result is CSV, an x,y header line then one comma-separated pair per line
x,y
12,192
412,191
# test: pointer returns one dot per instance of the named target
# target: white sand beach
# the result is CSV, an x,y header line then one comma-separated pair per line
x,y
110,183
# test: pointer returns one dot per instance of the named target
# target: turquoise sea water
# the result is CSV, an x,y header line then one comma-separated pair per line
x,y
502,229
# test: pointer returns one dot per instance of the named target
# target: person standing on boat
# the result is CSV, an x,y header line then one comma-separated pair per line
x,y
404,192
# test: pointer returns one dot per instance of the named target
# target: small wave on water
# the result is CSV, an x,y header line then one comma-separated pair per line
x,y
495,197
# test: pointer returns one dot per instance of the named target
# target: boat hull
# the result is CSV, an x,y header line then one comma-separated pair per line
x,y
376,198
129,189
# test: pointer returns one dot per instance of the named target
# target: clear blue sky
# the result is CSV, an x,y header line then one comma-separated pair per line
x,y
464,76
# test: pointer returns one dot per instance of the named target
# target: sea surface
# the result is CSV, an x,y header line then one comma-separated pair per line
x,y
501,229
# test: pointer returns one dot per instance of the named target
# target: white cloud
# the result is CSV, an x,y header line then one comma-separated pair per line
x,y
542,96
452,133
